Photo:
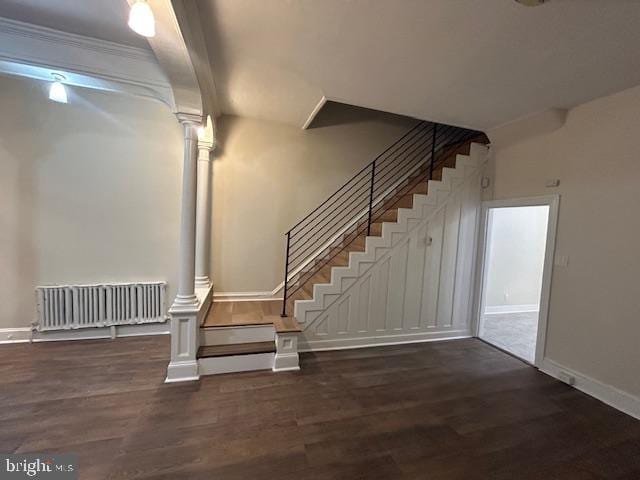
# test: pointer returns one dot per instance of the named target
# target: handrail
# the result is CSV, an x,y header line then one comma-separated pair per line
x,y
364,198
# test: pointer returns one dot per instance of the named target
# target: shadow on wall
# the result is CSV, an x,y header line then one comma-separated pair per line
x,y
335,113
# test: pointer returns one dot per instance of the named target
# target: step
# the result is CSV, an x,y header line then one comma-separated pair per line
x,y
240,357
236,349
234,334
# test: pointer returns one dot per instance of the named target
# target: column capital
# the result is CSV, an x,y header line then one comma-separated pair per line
x,y
189,118
207,135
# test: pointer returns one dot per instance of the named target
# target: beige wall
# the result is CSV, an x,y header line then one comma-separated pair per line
x,y
594,319
267,176
89,192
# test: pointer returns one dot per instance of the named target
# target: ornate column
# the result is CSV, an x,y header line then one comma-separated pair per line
x,y
186,306
206,144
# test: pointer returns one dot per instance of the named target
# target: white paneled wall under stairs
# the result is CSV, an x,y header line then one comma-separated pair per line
x,y
414,283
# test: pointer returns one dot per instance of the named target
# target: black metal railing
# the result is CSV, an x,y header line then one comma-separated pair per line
x,y
354,207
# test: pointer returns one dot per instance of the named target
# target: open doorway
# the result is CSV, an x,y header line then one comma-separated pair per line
x,y
517,253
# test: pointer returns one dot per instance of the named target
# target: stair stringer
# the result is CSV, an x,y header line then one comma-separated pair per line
x,y
333,318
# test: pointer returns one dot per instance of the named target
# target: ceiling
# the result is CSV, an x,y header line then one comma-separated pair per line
x,y
102,19
473,63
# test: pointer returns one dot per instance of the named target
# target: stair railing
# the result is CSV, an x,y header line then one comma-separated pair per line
x,y
355,206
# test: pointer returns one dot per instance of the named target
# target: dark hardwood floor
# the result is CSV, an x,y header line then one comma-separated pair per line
x,y
458,409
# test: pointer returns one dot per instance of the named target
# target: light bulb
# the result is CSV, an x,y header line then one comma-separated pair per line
x,y
141,19
57,92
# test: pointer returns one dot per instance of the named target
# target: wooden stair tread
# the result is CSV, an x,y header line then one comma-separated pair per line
x,y
286,325
236,349
241,314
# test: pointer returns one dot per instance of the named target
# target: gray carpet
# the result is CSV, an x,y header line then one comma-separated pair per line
x,y
513,332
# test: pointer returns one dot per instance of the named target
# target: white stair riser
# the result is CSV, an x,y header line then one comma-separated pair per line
x,y
239,334
235,363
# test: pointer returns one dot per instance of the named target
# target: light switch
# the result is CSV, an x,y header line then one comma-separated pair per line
x,y
553,182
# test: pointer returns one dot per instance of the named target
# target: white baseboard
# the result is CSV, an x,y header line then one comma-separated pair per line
x,y
380,341
245,297
618,399
498,309
97,333
15,335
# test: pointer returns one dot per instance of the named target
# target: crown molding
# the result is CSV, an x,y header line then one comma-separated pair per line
x,y
37,52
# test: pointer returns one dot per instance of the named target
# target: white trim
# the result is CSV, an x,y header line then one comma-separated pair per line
x,y
235,363
182,371
97,333
616,398
213,335
35,51
553,202
502,309
15,335
244,296
381,341
314,112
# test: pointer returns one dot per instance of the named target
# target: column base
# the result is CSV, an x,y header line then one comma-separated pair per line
x,y
286,358
185,303
202,282
182,371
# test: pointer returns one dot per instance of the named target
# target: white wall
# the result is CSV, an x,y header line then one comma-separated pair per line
x,y
267,176
516,245
89,192
594,317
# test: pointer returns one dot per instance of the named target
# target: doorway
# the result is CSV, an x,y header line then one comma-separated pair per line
x,y
518,245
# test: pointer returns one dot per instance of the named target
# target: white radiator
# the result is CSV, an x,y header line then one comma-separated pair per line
x,y
78,306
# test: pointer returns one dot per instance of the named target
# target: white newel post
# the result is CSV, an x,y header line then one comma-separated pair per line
x,y
206,144
184,311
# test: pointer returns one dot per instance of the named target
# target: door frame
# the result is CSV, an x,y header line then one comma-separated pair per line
x,y
553,202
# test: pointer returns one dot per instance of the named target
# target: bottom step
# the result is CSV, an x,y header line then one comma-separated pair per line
x,y
236,349
239,357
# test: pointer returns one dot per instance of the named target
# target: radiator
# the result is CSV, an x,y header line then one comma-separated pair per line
x,y
64,307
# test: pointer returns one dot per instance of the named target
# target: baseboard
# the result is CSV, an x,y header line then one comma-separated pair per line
x,y
618,399
15,335
245,297
499,309
98,333
380,341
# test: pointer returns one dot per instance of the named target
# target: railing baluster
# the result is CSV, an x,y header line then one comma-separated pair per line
x,y
433,152
373,178
286,277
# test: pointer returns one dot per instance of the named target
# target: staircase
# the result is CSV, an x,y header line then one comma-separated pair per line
x,y
326,237
383,235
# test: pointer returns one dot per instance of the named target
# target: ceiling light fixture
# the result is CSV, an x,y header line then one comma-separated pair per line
x,y
141,19
57,91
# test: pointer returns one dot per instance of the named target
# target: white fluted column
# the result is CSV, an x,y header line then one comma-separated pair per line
x,y
206,144
187,257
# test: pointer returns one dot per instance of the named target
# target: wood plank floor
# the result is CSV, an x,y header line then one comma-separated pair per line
x,y
449,410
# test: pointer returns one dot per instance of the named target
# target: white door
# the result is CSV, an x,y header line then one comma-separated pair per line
x,y
517,254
